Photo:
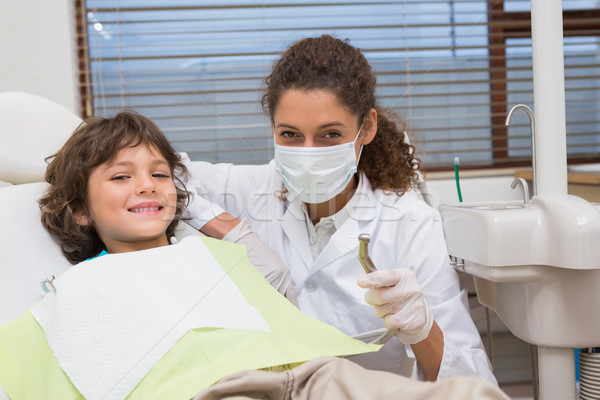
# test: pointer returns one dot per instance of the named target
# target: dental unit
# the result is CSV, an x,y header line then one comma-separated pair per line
x,y
535,262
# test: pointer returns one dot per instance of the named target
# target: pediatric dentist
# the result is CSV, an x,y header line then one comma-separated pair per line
x,y
342,167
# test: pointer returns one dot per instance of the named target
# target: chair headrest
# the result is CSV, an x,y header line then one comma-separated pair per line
x,y
31,129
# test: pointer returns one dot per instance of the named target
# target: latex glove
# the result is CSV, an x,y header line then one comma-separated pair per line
x,y
398,300
268,263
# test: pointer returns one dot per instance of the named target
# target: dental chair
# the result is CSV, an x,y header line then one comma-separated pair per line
x,y
31,128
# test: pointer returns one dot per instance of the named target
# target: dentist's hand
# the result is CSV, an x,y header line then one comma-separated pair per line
x,y
398,300
264,259
213,221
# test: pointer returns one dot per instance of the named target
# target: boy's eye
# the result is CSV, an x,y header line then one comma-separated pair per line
x,y
161,175
119,178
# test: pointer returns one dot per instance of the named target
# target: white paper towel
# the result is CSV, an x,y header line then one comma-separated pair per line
x,y
112,318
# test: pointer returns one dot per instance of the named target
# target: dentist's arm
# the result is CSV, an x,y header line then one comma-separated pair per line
x,y
264,259
398,300
219,226
213,221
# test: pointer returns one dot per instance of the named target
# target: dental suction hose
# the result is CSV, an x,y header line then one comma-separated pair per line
x,y
457,179
589,373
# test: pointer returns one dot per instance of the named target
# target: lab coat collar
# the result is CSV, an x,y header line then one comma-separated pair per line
x,y
343,241
294,226
363,205
360,210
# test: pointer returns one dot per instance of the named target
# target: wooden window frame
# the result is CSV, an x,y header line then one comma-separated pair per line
x,y
505,25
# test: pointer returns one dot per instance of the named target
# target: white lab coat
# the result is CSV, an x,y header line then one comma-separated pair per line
x,y
405,232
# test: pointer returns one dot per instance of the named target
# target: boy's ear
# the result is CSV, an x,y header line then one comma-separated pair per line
x,y
81,217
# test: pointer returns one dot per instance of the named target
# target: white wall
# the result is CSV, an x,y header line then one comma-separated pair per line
x,y
39,56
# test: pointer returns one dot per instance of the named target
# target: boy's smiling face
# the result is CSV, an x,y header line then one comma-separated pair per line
x,y
131,200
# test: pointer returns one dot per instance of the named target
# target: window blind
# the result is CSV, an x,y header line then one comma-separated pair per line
x,y
452,68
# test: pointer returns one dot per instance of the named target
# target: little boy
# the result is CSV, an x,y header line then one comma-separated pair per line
x,y
121,174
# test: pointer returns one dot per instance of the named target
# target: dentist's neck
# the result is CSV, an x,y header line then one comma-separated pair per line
x,y
328,208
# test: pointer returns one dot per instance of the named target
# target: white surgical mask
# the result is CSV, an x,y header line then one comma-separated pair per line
x,y
317,174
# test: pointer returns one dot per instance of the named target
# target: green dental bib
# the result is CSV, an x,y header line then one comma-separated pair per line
x,y
29,370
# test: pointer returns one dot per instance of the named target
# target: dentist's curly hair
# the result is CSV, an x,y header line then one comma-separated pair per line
x,y
330,64
97,141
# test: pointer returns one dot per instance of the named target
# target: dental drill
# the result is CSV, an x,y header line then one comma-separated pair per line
x,y
381,335
363,253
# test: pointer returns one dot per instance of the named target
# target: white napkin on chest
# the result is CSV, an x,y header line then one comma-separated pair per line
x,y
113,317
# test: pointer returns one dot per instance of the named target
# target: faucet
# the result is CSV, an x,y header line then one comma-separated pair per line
x,y
523,183
532,128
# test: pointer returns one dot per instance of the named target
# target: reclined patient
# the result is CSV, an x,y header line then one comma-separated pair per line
x,y
140,318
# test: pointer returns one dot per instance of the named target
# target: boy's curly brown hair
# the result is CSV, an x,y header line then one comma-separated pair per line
x,y
97,141
331,64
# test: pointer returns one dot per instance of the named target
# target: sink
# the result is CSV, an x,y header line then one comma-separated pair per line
x,y
497,207
561,231
537,266
490,205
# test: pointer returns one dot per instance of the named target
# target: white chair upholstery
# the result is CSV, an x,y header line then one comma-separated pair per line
x,y
28,253
31,128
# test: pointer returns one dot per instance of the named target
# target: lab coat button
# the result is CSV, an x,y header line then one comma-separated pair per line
x,y
310,285
313,238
